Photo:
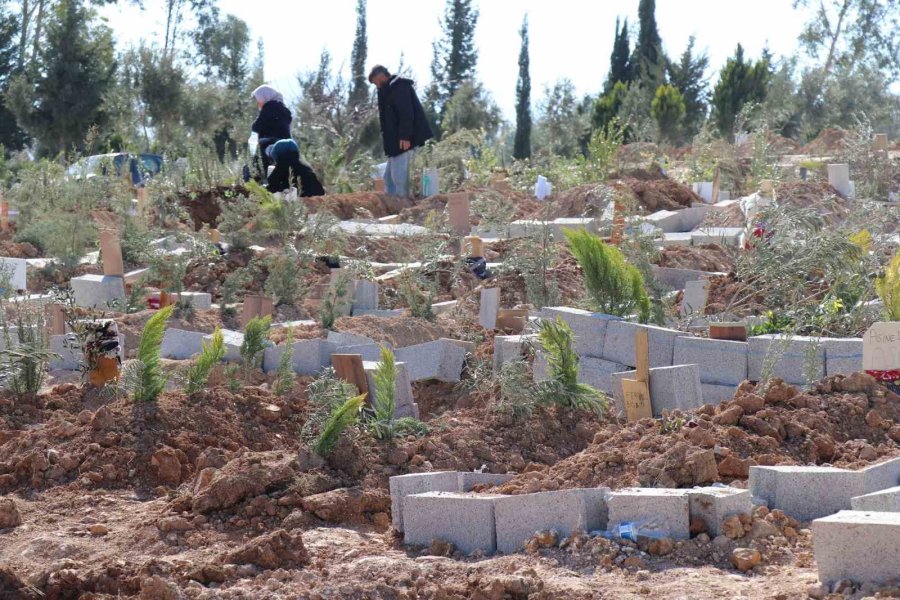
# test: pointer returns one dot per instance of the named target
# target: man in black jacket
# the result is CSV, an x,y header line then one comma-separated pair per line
x,y
403,126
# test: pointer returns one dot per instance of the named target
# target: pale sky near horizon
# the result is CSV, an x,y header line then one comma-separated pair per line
x,y
568,38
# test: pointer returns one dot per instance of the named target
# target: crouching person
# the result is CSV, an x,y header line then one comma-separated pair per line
x,y
291,170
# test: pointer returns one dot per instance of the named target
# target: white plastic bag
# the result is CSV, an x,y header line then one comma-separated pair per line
x,y
542,188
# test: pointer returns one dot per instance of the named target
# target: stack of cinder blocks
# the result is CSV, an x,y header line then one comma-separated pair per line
x,y
439,506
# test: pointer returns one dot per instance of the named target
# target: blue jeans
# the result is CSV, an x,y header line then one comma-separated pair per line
x,y
396,176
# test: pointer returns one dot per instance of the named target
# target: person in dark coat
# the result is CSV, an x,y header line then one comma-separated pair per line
x,y
273,122
403,126
291,170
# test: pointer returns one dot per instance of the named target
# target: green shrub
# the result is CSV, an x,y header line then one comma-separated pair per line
x,y
615,287
144,376
284,377
255,335
212,353
383,400
888,288
341,418
562,388
335,301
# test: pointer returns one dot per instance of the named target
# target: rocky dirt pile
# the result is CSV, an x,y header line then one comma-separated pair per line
x,y
648,191
709,257
11,249
724,216
828,141
845,421
820,197
523,206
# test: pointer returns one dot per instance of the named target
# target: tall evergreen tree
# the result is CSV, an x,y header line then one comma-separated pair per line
x,y
11,137
739,82
620,59
688,76
455,54
359,93
648,61
522,144
64,97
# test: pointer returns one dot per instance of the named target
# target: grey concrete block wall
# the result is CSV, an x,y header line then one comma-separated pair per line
x,y
667,220
233,342
467,480
693,301
671,388
724,236
309,356
508,348
660,510
440,360
798,359
198,300
365,296
519,517
402,486
97,291
488,307
464,520
677,239
347,339
370,352
589,328
881,476
716,394
68,356
383,313
179,344
671,278
17,271
618,345
404,403
595,372
861,546
723,362
843,356
806,493
883,501
692,217
715,504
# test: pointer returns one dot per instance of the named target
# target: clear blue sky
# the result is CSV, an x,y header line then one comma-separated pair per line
x,y
569,38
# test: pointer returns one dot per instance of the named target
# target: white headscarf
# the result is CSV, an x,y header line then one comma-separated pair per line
x,y
265,93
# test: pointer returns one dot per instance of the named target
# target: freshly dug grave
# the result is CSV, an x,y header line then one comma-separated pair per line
x,y
821,197
650,192
11,249
397,331
709,257
521,206
829,141
845,421
724,216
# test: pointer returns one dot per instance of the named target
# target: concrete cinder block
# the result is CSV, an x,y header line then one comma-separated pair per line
x,y
881,476
669,221
440,359
519,517
714,504
595,372
884,501
490,304
508,348
724,236
797,359
843,356
404,404
309,356
677,239
443,308
370,352
618,346
384,313
806,493
179,344
856,545
464,520
671,388
98,291
365,296
198,300
233,341
467,480
17,271
589,328
723,362
402,486
693,301
717,394
340,338
692,217
661,510
671,278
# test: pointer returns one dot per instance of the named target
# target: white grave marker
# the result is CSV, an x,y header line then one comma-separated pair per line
x,y
881,347
16,268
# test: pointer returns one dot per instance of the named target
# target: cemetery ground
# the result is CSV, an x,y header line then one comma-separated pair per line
x,y
222,446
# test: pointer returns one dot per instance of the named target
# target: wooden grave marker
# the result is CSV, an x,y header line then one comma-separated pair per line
x,y
618,227
636,392
349,367
256,306
881,142
458,207
473,246
4,213
717,183
111,253
57,319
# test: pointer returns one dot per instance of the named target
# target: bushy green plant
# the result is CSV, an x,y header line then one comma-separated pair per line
x,y
233,283
340,419
562,388
25,354
383,399
888,288
232,378
212,353
535,258
144,376
284,376
256,333
518,394
418,300
336,300
616,287
285,282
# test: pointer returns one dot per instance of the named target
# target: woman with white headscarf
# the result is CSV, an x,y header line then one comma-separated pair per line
x,y
273,122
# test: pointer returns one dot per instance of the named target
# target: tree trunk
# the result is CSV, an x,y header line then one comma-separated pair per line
x,y
36,40
829,62
23,35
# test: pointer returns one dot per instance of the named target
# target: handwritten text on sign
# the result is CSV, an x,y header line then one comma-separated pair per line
x,y
881,347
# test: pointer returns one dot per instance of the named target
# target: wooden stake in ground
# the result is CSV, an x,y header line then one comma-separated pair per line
x,y
349,367
4,213
256,306
717,182
636,392
458,207
473,246
111,253
618,228
57,319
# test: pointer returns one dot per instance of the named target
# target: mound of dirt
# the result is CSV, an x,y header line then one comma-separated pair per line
x,y
845,421
709,257
724,216
828,141
659,194
523,205
587,200
12,249
397,331
821,197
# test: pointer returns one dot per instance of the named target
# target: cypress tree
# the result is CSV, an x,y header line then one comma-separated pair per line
x,y
620,59
455,54
360,91
689,77
11,137
522,145
648,60
739,82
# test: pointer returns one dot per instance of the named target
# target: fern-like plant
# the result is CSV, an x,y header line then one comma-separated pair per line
x,y
384,401
284,377
558,342
144,376
616,287
888,288
255,335
212,353
340,419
